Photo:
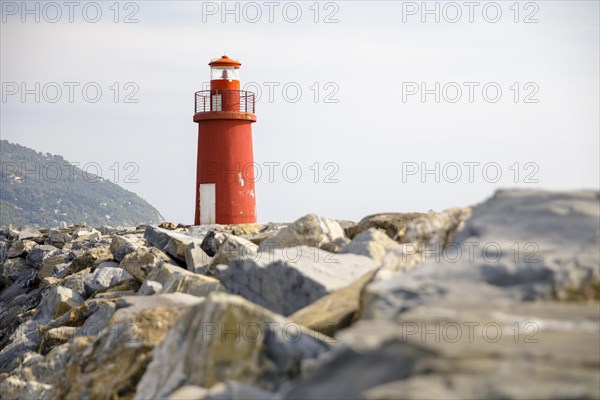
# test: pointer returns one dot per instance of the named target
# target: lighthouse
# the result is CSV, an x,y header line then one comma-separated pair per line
x,y
225,167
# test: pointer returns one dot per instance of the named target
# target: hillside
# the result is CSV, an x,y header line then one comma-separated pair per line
x,y
46,190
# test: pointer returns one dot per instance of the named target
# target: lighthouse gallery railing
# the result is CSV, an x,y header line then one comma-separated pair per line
x,y
224,100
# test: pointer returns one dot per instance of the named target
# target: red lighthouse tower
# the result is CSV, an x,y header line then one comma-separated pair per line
x,y
225,170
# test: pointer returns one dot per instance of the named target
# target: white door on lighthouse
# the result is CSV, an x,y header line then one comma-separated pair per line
x,y
207,203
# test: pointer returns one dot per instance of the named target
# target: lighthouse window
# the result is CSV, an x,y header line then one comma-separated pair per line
x,y
224,73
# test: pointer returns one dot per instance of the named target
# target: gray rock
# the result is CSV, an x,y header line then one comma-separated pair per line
x,y
174,279
178,245
255,352
77,283
142,261
20,248
86,234
29,232
519,245
24,339
57,238
103,278
123,245
13,268
57,301
310,230
212,242
468,351
39,254
149,288
288,279
233,247
373,243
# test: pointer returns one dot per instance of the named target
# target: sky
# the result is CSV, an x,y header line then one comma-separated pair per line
x,y
362,106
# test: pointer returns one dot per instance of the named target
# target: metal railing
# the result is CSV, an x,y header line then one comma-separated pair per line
x,y
224,100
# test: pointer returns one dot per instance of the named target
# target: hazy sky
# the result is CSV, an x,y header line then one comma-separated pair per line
x,y
341,87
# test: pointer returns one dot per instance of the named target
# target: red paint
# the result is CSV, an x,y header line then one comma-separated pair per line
x,y
225,157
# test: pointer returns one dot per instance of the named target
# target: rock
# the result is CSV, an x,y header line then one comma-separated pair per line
x,y
233,247
178,245
10,232
212,242
196,259
372,243
86,234
24,339
103,278
167,225
149,288
128,287
48,266
335,311
142,261
57,238
57,301
12,269
468,353
56,336
286,280
20,248
123,245
226,338
61,270
418,227
29,232
310,230
90,258
173,279
77,282
39,253
510,249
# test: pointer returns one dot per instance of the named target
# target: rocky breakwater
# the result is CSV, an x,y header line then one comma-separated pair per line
x,y
496,301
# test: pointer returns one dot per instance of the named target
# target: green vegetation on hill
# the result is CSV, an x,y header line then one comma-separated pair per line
x,y
46,190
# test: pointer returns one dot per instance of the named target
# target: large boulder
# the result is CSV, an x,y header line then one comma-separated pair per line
x,y
373,243
182,247
431,227
40,253
285,280
226,338
20,248
232,247
29,232
121,245
58,238
335,311
169,278
519,245
142,261
103,278
465,354
57,301
310,230
90,258
86,234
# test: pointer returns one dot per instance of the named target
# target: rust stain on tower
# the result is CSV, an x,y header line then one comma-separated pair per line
x,y
225,169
